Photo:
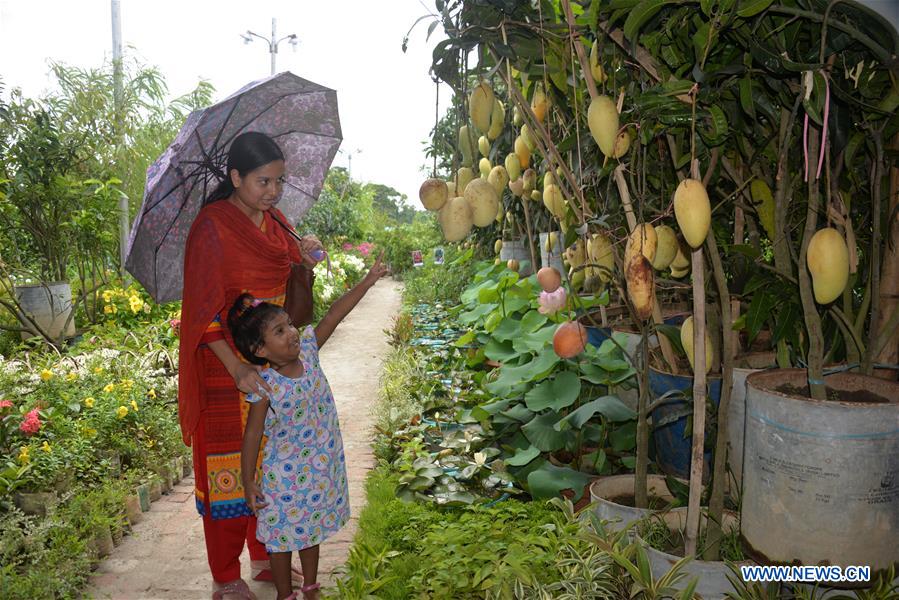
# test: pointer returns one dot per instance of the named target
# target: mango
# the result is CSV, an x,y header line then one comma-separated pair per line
x,y
433,194
529,178
640,281
497,246
451,189
513,167
682,259
539,103
480,106
828,263
599,252
666,247
484,146
693,211
497,120
528,137
516,186
602,119
523,153
622,144
483,200
595,68
455,219
686,340
466,146
554,201
642,240
464,176
484,166
763,200
498,178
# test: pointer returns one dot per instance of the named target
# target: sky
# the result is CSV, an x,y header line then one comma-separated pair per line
x,y
386,97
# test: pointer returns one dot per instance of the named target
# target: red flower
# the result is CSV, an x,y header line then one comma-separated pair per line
x,y
31,423
5,403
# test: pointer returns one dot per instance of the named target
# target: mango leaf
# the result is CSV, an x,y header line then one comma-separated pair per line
x,y
523,457
540,432
784,320
558,393
639,15
608,406
749,8
759,310
549,480
746,96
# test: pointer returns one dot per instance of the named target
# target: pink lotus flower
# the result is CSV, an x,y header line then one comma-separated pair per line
x,y
5,404
551,302
31,423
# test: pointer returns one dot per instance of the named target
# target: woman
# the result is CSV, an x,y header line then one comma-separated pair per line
x,y
234,246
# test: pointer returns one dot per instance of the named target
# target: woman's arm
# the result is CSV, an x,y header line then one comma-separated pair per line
x,y
245,375
249,453
346,303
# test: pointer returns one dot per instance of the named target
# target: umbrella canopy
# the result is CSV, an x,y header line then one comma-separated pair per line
x,y
301,116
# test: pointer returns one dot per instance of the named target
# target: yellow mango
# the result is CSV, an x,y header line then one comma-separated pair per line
x,y
523,153
539,103
642,240
484,203
828,263
666,247
622,144
686,340
455,219
693,211
497,246
498,178
466,146
497,120
599,252
554,201
595,68
602,119
484,167
528,137
480,106
513,167
433,194
484,146
640,285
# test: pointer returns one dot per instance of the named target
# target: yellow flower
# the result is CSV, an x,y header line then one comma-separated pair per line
x,y
71,376
107,296
46,447
98,370
23,456
90,432
89,402
151,394
110,309
121,412
150,443
127,383
109,387
134,405
135,303
46,375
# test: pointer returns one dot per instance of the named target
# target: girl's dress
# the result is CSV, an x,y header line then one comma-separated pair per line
x,y
304,478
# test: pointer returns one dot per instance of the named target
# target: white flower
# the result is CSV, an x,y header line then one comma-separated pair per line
x,y
355,262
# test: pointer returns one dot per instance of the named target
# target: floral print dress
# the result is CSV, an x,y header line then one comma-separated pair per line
x,y
303,467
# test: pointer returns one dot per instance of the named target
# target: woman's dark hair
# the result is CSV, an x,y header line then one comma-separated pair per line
x,y
247,321
249,151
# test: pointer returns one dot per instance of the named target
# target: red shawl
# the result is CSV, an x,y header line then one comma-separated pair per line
x,y
226,254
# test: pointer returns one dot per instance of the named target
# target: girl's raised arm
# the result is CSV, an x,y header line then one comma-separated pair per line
x,y
346,303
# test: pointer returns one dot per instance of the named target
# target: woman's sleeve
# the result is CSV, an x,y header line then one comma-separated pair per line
x,y
215,331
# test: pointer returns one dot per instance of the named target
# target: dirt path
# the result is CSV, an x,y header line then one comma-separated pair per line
x,y
165,556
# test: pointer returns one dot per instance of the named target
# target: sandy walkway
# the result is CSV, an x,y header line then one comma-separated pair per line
x,y
165,556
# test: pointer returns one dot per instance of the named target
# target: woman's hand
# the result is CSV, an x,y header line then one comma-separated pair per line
x,y
377,271
253,495
248,379
307,245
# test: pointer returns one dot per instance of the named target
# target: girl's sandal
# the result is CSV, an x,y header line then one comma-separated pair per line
x,y
312,587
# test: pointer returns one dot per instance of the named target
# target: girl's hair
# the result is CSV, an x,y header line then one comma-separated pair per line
x,y
247,320
249,151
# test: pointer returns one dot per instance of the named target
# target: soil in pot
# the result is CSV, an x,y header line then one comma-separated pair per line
x,y
862,396
654,502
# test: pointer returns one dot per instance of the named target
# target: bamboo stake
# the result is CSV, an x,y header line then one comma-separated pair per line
x,y
527,224
699,395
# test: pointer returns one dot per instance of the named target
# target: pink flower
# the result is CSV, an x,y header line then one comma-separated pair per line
x,y
364,248
551,302
175,324
31,423
347,246
5,403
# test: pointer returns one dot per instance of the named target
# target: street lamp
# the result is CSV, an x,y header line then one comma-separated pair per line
x,y
272,42
349,158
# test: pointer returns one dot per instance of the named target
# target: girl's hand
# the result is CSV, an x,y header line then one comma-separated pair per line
x,y
249,381
253,495
377,271
307,246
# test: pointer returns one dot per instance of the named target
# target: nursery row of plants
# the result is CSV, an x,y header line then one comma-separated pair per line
x,y
469,453
90,435
723,173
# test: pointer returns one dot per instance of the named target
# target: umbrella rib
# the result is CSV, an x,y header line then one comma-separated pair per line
x,y
195,173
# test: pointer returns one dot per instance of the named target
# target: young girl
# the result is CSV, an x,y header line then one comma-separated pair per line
x,y
303,496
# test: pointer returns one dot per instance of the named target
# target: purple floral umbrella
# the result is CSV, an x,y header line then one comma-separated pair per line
x,y
302,118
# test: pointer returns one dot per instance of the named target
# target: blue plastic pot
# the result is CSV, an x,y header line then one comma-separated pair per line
x,y
672,448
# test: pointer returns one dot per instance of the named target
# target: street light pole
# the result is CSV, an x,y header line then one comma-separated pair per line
x,y
272,41
118,93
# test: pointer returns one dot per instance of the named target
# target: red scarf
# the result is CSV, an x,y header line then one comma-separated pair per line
x,y
226,254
